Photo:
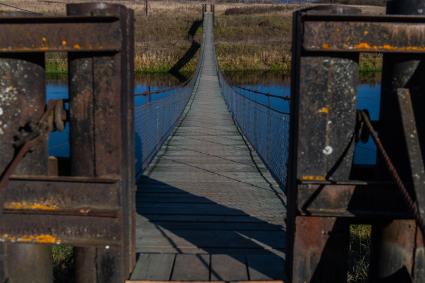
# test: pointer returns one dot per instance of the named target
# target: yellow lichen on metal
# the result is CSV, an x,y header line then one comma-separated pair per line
x,y
39,239
389,47
30,206
363,45
313,178
324,110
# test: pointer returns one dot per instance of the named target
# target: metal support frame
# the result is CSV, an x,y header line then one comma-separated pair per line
x,y
22,99
94,207
323,194
402,123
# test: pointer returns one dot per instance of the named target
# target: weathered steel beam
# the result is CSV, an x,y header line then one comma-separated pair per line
x,y
365,201
321,250
62,196
101,98
396,255
323,118
22,99
56,229
365,36
61,34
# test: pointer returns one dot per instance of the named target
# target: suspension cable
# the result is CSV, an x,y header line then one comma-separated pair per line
x,y
263,93
256,102
148,92
413,207
20,9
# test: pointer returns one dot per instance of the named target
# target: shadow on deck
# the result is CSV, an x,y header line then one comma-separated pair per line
x,y
194,238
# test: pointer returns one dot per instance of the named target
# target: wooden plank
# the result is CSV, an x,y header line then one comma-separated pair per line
x,y
153,267
203,218
213,239
200,209
191,267
228,267
265,267
250,281
207,226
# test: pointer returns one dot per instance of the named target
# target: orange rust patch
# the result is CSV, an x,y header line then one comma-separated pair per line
x,y
324,110
363,45
326,46
312,178
40,238
367,46
30,206
76,46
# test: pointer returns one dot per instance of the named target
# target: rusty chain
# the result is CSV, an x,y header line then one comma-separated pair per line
x,y
52,119
393,171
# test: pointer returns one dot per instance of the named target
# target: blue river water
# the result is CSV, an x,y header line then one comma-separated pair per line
x,y
368,98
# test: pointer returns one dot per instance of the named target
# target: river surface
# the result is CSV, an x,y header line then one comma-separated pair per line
x,y
271,83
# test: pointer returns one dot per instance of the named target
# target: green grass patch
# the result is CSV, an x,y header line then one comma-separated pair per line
x,y
63,263
359,253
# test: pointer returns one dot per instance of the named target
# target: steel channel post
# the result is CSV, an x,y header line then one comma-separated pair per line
x,y
398,249
22,100
323,110
101,88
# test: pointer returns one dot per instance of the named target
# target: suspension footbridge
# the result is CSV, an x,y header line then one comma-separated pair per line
x,y
207,206
207,181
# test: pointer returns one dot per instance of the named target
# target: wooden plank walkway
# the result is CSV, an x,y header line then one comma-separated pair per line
x,y
208,209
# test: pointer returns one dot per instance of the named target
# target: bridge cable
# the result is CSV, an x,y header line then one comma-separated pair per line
x,y
148,92
256,102
412,206
263,93
257,167
20,9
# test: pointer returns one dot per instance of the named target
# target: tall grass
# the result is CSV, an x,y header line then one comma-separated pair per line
x,y
359,253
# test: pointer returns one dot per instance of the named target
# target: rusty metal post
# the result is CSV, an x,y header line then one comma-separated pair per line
x,y
22,100
323,117
212,10
101,95
398,250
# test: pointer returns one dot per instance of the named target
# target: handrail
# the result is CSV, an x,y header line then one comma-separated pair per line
x,y
156,120
263,93
256,102
148,92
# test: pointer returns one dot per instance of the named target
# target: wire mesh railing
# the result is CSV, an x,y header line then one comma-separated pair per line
x,y
264,121
156,114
